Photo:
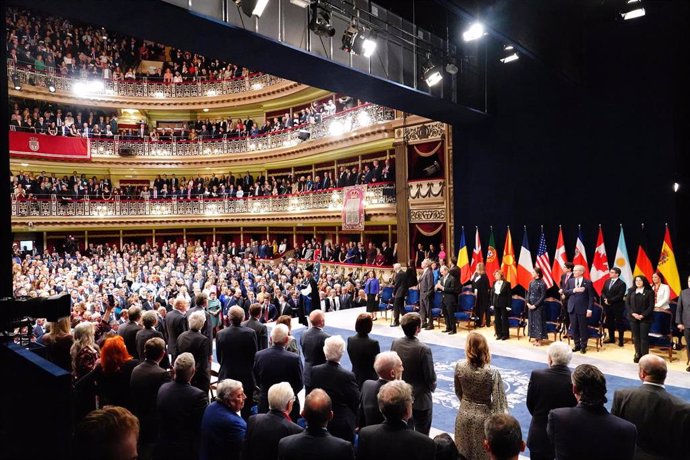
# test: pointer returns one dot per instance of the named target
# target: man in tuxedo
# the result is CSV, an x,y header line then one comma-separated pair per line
x,y
426,294
503,438
315,443
236,348
176,322
683,316
588,430
255,324
392,438
400,289
312,342
580,297
388,367
612,299
449,288
548,389
418,365
662,419
129,331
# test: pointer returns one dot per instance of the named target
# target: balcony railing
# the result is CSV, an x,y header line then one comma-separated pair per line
x,y
142,88
324,200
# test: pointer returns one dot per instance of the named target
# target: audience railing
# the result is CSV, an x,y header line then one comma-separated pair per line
x,y
327,200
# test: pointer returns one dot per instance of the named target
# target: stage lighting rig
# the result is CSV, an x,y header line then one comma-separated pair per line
x,y
509,54
432,72
320,20
633,9
252,7
358,40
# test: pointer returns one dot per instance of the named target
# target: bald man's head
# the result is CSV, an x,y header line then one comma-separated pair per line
x,y
317,318
653,369
317,408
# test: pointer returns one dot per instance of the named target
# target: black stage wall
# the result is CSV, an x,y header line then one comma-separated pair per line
x,y
603,151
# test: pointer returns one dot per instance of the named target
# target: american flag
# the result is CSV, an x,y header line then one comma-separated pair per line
x,y
543,261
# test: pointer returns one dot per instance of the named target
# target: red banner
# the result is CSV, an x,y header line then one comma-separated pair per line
x,y
353,207
46,147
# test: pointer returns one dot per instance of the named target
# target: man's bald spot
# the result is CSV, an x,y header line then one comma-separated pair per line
x,y
317,408
654,368
316,318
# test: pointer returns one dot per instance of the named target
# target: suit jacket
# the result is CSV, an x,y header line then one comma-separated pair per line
x,y
222,433
579,302
393,439
683,310
662,421
142,336
590,432
312,348
176,323
400,285
275,365
503,298
260,330
642,304
129,333
482,288
197,344
419,369
314,444
341,386
614,293
368,412
450,291
362,351
235,350
180,408
208,327
264,432
426,283
144,383
548,389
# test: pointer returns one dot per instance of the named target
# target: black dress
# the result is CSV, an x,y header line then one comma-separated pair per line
x,y
362,351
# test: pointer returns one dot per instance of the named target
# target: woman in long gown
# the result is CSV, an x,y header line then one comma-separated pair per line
x,y
480,390
536,324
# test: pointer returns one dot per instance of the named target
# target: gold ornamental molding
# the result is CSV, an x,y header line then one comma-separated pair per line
x,y
427,215
421,133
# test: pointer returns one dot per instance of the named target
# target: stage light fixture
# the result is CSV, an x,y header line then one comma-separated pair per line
x,y
320,20
676,186
451,68
359,40
50,84
301,3
509,54
633,9
431,72
252,7
16,82
476,31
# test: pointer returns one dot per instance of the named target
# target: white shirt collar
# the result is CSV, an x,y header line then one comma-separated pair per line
x,y
654,384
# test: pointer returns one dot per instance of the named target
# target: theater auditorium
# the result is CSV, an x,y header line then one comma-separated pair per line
x,y
348,229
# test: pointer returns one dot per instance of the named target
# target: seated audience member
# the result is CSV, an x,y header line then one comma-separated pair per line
x,y
180,408
588,430
222,428
392,438
110,433
196,343
503,437
341,386
362,350
315,443
149,320
662,419
388,367
264,431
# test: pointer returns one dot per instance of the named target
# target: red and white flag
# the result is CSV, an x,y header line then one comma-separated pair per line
x,y
559,259
580,257
600,264
477,252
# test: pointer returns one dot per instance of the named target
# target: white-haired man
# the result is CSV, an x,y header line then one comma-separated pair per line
x,y
195,342
548,389
264,431
580,295
222,427
341,386
388,367
176,323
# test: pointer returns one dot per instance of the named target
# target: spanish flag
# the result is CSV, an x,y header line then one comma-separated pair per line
x,y
508,266
667,266
463,259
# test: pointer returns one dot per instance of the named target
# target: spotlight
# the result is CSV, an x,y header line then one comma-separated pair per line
x,y
16,82
633,9
320,20
676,186
451,68
301,3
509,54
431,72
358,40
475,32
50,84
252,7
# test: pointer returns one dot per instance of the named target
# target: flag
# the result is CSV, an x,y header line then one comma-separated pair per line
x,y
508,261
580,256
463,259
600,264
525,268
477,252
643,266
559,259
667,265
543,261
622,261
491,258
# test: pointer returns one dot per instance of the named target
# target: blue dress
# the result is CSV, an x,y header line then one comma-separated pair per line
x,y
536,321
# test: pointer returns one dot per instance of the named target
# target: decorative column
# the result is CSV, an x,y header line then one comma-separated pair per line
x,y
401,202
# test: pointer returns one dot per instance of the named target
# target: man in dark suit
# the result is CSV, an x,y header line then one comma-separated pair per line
x,y
196,343
683,316
201,304
180,407
315,443
312,344
264,431
548,389
144,383
400,288
392,438
388,367
612,300
176,323
149,320
500,300
235,350
449,286
418,364
341,386
588,430
276,364
662,419
565,318
255,324
503,437
129,331
580,297
426,294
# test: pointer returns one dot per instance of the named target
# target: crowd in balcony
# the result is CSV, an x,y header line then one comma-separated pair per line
x,y
52,44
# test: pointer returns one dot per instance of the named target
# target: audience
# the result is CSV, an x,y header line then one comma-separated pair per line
x,y
503,437
363,350
194,342
110,433
388,367
222,428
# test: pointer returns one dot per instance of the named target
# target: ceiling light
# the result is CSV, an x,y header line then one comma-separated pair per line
x,y
320,20
50,84
676,186
301,3
475,32
252,7
431,72
633,9
205,110
16,82
451,68
509,54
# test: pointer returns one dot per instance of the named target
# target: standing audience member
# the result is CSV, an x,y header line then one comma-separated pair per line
x,y
640,306
683,317
481,288
588,430
612,297
580,297
548,389
312,344
662,419
503,437
362,350
662,293
480,391
500,301
372,288
400,289
58,342
449,287
392,438
129,330
149,320
388,367
255,324
426,294
110,433
222,427
418,364
84,351
201,304
534,301
194,342
176,323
